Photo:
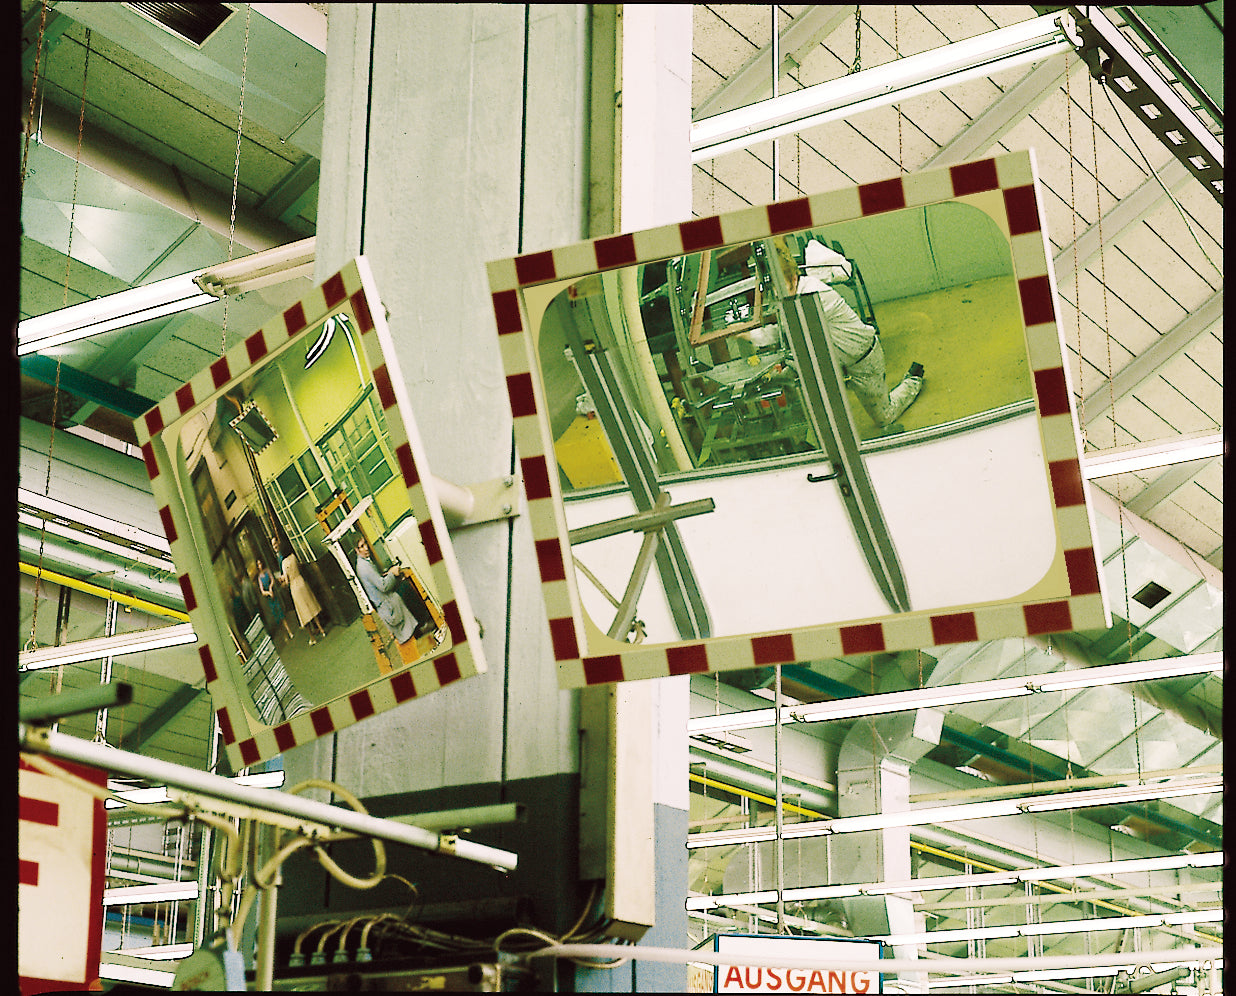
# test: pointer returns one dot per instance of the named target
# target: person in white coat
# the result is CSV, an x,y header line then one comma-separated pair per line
x,y
856,343
380,590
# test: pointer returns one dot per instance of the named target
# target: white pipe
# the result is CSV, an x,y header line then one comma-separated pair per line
x,y
164,772
962,966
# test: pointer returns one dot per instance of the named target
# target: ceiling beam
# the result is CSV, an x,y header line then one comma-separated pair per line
x,y
754,80
160,717
1126,212
999,117
1146,364
1164,485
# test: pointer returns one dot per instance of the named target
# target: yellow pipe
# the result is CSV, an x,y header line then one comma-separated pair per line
x,y
94,589
925,848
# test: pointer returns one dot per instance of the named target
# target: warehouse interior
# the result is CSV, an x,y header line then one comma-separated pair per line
x,y
165,139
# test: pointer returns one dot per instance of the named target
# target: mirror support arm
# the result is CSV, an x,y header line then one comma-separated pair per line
x,y
470,504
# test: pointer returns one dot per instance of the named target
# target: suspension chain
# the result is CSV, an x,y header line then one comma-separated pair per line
x,y
240,118
34,89
858,40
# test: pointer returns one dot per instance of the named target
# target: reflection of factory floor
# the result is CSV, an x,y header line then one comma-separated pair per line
x,y
334,666
341,662
971,342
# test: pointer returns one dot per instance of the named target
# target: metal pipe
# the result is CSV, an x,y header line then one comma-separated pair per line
x,y
780,851
202,927
55,577
164,772
90,699
654,518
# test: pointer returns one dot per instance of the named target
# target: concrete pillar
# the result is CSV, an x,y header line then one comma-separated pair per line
x,y
455,134
653,124
873,776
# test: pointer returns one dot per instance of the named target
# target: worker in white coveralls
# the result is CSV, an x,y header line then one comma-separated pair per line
x,y
857,344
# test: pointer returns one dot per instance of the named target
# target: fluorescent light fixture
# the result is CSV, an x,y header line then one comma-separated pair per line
x,y
129,973
260,269
165,297
104,314
1121,795
928,816
97,543
1127,459
83,517
944,883
107,646
162,892
1183,919
975,691
158,794
926,72
157,952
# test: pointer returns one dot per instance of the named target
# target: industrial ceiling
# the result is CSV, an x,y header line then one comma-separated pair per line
x,y
134,171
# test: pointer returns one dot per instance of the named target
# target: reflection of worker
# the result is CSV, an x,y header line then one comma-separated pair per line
x,y
857,343
307,607
274,615
380,589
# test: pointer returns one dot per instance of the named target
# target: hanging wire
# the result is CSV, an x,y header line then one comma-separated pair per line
x,y
34,89
240,118
897,108
1170,196
858,40
32,642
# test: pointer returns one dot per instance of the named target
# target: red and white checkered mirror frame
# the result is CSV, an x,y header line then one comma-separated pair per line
x,y
246,738
584,655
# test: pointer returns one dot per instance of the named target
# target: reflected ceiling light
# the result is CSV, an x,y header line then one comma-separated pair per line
x,y
1124,460
946,883
164,297
1185,918
107,646
160,892
155,952
975,691
158,793
130,973
928,816
1005,48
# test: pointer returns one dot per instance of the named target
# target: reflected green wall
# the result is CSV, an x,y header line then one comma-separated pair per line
x,y
920,250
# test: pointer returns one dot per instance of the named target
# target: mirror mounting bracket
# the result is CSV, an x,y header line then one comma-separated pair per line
x,y
472,504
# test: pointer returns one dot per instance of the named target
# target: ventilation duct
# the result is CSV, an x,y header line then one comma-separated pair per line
x,y
192,22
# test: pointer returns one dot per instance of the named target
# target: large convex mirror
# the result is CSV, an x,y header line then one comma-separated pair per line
x,y
852,432
324,590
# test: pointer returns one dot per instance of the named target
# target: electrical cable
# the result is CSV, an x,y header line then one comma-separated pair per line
x,y
1184,217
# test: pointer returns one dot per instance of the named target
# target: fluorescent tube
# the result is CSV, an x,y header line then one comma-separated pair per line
x,y
161,892
1128,866
166,297
1086,925
928,816
1119,796
896,81
107,646
975,691
1123,460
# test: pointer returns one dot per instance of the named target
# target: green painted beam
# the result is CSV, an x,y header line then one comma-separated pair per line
x,y
86,387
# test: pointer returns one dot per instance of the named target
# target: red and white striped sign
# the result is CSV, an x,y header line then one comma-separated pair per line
x,y
61,842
